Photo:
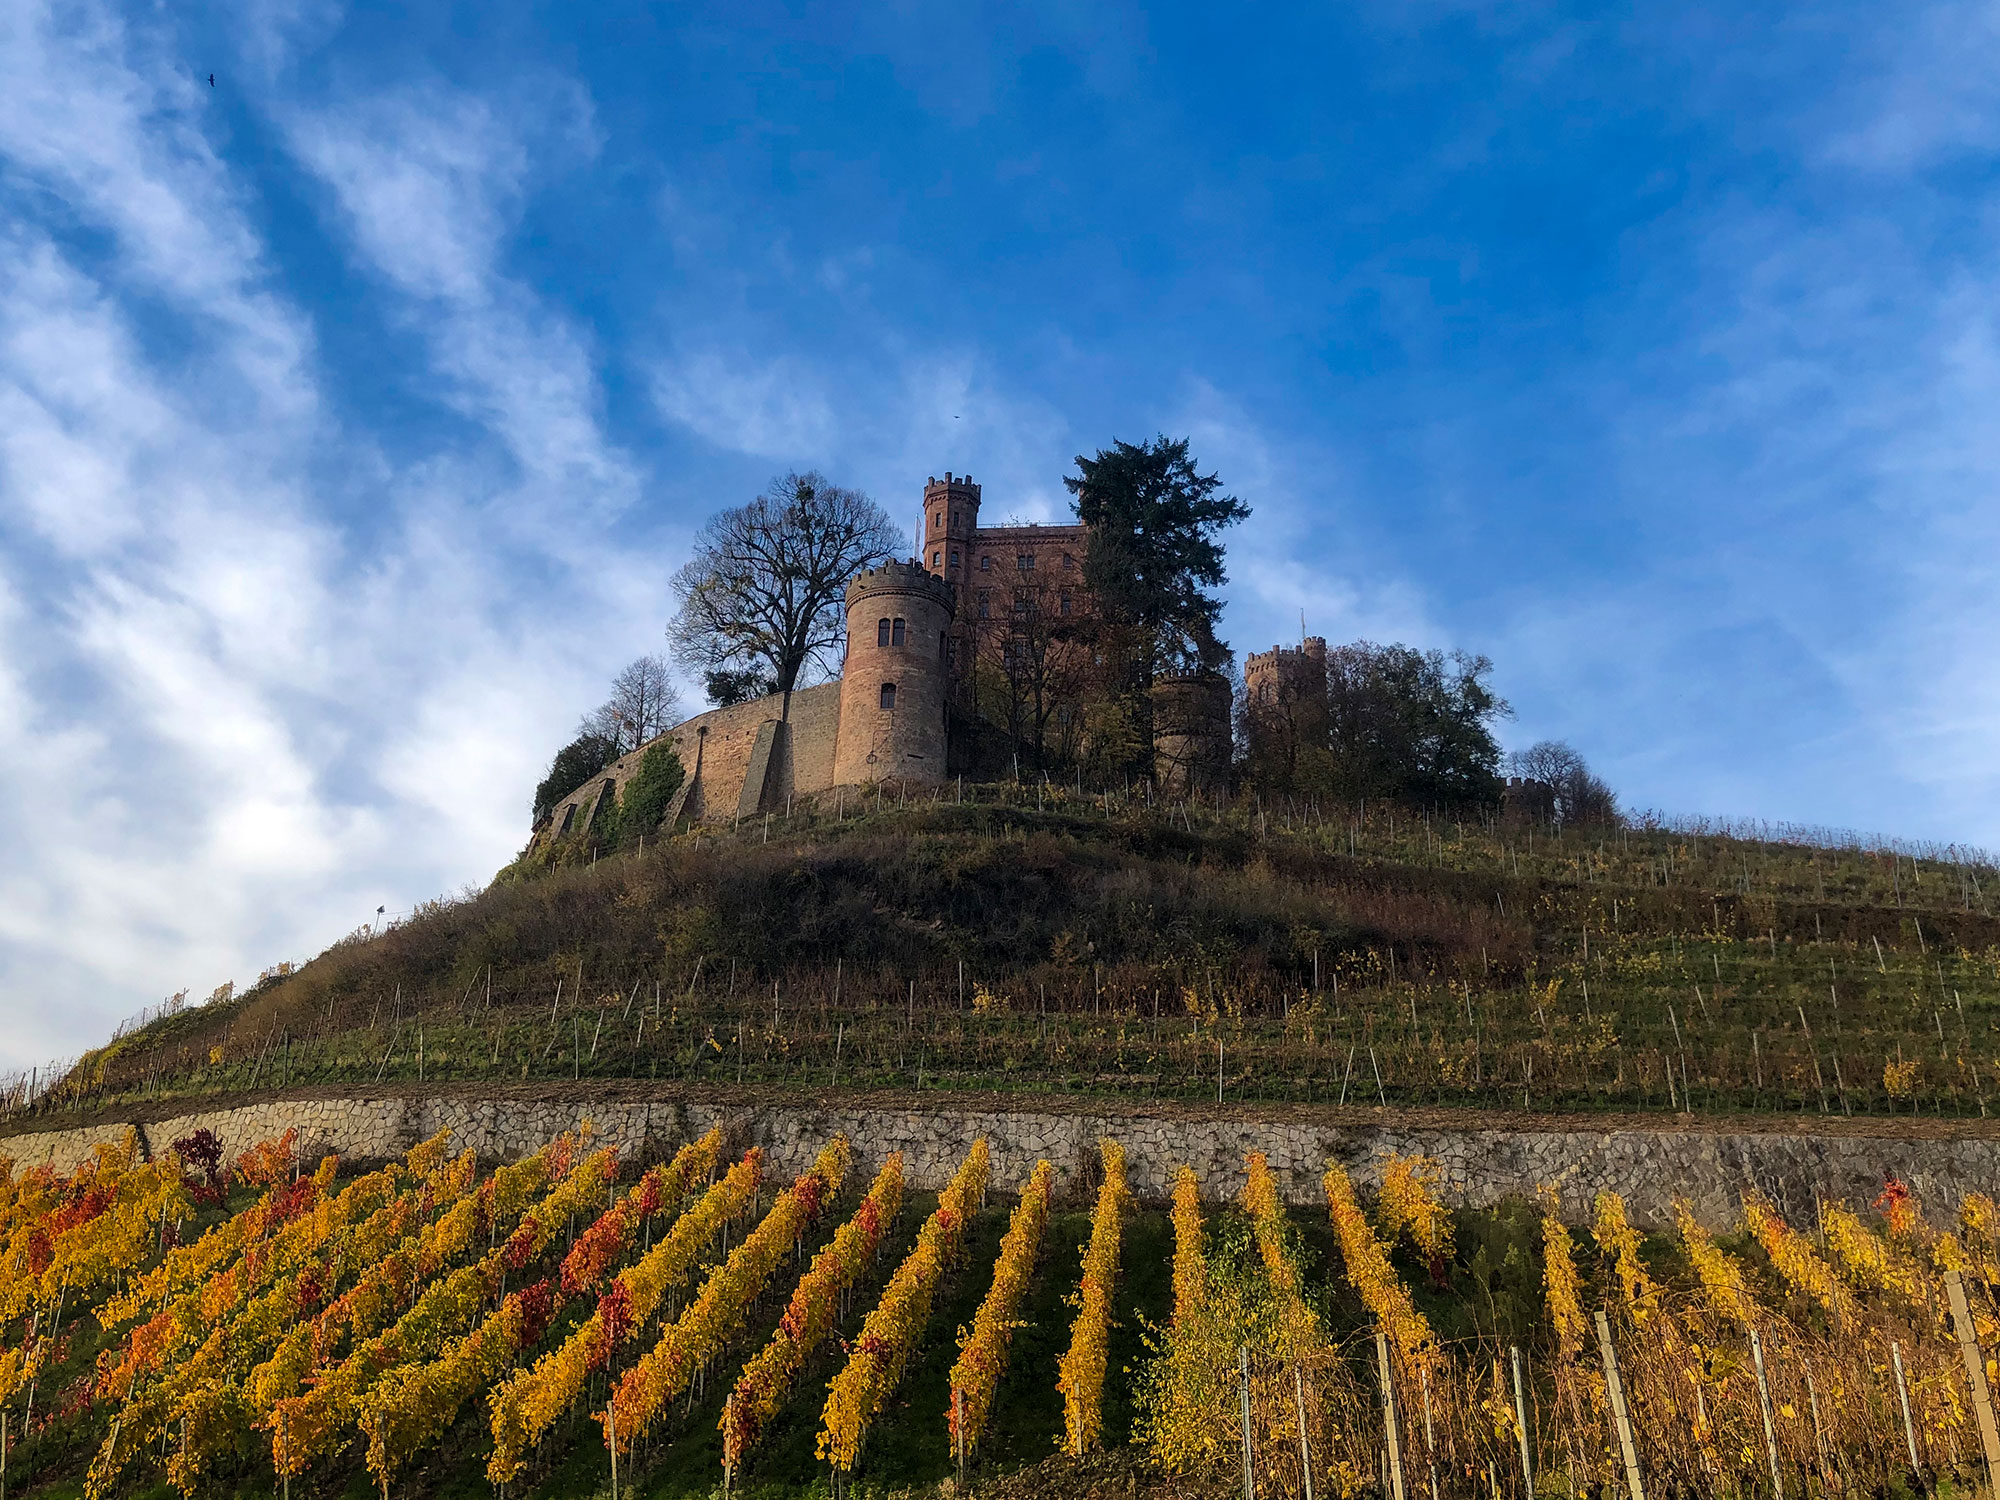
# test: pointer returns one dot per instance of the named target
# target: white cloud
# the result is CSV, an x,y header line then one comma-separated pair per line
x,y
773,409
232,724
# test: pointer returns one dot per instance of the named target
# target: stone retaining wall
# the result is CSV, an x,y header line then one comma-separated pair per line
x,y
1648,1166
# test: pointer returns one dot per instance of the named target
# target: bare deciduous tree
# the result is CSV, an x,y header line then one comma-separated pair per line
x,y
1580,796
643,705
765,587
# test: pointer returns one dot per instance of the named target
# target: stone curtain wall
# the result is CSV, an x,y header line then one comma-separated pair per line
x,y
807,765
1647,1166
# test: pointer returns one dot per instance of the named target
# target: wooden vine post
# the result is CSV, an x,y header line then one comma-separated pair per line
x,y
1903,1396
1395,1447
1975,1376
1243,1390
1621,1419
1521,1422
1764,1409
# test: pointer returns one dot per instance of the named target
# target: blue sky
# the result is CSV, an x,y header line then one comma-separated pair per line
x,y
355,411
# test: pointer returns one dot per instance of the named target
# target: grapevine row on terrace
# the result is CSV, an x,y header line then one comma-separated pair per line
x,y
330,1321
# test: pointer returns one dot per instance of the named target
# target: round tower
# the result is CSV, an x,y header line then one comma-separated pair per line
x,y
892,686
1191,740
951,515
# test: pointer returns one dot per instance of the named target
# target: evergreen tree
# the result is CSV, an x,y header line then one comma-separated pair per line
x,y
1154,556
578,761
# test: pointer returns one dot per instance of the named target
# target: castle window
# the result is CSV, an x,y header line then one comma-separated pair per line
x,y
882,631
1063,603
1068,561
954,557
985,564
896,633
1025,562
940,519
935,558
942,653
984,610
888,695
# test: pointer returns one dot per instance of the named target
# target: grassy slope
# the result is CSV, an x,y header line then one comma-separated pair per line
x,y
1085,948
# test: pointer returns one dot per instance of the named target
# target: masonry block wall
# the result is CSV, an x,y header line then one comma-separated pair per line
x,y
1650,1167
720,742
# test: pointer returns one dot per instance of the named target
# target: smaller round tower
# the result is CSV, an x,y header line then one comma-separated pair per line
x,y
892,685
1191,739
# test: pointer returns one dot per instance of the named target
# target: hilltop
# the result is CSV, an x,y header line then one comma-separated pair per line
x,y
1044,942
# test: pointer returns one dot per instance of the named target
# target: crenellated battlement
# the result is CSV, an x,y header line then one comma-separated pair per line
x,y
900,578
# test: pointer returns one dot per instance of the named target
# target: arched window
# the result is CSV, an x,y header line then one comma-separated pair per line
x,y
985,563
888,695
937,559
896,632
882,631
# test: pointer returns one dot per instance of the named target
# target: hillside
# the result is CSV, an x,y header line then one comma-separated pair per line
x,y
1054,943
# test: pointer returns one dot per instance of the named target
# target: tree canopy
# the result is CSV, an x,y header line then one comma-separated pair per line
x,y
1414,725
1579,795
1154,555
574,764
643,705
765,589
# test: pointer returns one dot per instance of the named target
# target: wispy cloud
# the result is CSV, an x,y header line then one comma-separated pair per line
x,y
235,726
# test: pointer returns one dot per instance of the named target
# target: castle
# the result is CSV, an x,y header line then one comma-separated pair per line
x,y
917,632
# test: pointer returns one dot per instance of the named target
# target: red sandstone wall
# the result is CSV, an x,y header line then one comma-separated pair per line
x,y
725,752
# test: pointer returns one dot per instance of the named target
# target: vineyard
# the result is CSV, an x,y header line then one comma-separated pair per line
x,y
1042,941
569,1324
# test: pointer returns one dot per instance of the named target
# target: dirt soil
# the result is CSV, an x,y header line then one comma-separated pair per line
x,y
1104,1476
752,1097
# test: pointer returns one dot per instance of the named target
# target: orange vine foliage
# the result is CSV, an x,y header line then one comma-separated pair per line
x,y
1081,1373
1409,1204
694,1338
766,1382
413,1405
1368,1270
269,1163
1190,1261
311,1425
1796,1260
982,1352
1298,1325
1720,1277
1616,1237
875,1361
1562,1287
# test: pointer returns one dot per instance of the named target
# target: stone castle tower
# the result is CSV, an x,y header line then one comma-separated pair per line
x,y
1191,741
1291,681
951,516
893,686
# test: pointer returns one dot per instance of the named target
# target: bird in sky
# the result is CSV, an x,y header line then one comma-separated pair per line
x,y
211,80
